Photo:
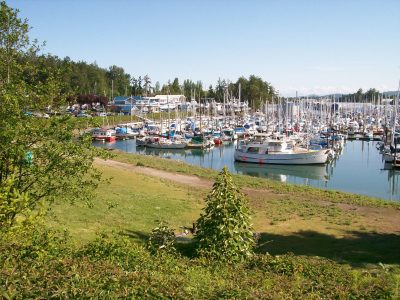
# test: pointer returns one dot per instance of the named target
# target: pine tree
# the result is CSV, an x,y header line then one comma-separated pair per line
x,y
224,231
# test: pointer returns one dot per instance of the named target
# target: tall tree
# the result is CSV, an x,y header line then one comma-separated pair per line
x,y
13,39
220,90
175,87
157,88
39,157
147,84
210,92
120,80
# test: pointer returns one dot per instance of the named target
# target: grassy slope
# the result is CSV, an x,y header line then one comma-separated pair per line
x,y
289,218
130,203
249,181
36,265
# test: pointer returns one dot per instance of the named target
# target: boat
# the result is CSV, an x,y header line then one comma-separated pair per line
x,y
217,137
240,132
126,132
199,142
105,135
277,152
163,143
229,134
143,141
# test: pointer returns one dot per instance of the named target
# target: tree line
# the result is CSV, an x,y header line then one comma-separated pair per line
x,y
89,81
370,95
83,82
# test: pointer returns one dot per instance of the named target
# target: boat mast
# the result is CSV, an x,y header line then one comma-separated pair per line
x,y
396,101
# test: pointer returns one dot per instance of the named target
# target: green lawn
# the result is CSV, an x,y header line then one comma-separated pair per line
x,y
131,203
321,249
287,221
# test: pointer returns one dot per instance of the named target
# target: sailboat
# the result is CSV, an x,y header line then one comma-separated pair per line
x,y
393,156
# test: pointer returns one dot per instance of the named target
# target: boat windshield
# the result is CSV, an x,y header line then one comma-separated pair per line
x,y
253,150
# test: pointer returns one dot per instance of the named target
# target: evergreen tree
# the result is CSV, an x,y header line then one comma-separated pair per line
x,y
224,230
210,92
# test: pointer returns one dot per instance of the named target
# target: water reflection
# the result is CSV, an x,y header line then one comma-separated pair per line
x,y
359,169
393,180
316,172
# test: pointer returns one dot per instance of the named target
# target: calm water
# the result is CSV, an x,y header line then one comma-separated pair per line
x,y
359,169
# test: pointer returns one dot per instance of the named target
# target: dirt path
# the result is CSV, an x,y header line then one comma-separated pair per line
x,y
384,219
180,178
191,180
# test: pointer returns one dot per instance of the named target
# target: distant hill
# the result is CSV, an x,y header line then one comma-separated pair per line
x,y
390,94
337,95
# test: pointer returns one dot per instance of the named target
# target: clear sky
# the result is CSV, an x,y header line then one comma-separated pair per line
x,y
320,46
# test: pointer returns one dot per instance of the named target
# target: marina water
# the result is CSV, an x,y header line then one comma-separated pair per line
x,y
359,169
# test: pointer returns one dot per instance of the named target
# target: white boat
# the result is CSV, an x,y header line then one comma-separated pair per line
x,y
277,152
229,134
369,134
163,143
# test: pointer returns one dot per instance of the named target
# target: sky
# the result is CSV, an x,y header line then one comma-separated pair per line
x,y
303,46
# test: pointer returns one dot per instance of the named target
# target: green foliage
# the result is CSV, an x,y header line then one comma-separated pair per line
x,y
371,95
12,203
224,228
172,88
254,90
42,156
162,239
43,264
13,39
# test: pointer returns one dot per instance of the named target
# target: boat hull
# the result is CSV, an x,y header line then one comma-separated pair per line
x,y
304,158
104,138
166,146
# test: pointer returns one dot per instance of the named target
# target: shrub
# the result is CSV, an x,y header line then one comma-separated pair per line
x,y
12,204
224,228
162,239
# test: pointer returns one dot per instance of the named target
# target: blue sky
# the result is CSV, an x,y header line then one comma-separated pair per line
x,y
307,46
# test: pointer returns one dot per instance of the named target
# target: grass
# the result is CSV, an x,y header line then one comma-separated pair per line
x,y
253,182
320,248
131,203
113,267
287,222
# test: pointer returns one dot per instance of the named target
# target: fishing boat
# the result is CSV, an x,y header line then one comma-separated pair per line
x,y
277,152
105,135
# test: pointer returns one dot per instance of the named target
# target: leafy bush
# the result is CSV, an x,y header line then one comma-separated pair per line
x,y
162,239
37,263
224,228
12,204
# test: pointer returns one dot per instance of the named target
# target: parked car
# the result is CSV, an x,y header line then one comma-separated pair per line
x,y
83,115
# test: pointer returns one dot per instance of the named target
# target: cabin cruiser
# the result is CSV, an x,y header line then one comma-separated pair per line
x,y
273,151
